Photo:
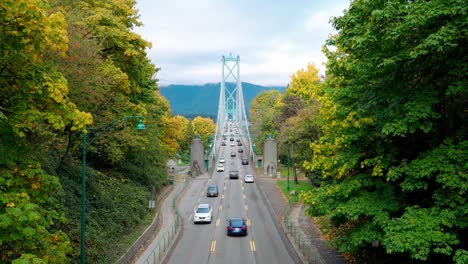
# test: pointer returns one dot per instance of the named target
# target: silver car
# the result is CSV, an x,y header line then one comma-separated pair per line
x,y
202,214
249,178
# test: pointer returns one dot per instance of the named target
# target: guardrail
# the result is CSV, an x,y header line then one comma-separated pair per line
x,y
164,243
309,253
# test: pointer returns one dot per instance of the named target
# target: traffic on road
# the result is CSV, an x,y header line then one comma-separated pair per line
x,y
226,219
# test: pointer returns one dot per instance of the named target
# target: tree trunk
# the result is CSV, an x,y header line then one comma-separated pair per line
x,y
293,161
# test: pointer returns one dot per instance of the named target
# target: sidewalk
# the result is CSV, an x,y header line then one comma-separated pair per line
x,y
297,225
168,225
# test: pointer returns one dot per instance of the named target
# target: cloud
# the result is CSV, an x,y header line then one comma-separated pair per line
x,y
189,37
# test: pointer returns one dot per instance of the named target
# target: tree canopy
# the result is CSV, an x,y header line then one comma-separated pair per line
x,y
66,67
394,130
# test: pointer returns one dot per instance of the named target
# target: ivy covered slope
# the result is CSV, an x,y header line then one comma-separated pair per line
x,y
65,66
394,130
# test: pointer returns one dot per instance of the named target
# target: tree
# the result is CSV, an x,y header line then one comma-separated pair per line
x,y
34,104
394,140
205,128
299,116
306,83
175,133
264,113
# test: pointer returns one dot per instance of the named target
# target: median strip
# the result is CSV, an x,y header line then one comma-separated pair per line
x,y
213,246
252,246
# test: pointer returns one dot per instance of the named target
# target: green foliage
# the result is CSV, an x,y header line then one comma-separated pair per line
x,y
34,94
110,198
30,209
107,223
420,231
461,256
67,66
300,187
393,143
263,114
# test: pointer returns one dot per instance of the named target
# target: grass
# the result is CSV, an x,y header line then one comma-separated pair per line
x,y
303,185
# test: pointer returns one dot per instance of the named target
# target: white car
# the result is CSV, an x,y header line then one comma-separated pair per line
x,y
222,160
249,178
220,167
232,144
202,213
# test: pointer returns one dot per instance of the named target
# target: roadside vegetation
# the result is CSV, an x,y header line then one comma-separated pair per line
x,y
382,136
295,189
66,66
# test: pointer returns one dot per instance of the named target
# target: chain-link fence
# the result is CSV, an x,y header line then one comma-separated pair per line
x,y
165,242
303,245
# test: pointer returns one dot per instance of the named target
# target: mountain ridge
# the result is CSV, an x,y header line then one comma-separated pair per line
x,y
202,100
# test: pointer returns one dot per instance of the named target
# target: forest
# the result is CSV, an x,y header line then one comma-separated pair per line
x,y
383,137
70,68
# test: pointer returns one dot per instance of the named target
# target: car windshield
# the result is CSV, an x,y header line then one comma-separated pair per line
x,y
237,222
203,210
212,189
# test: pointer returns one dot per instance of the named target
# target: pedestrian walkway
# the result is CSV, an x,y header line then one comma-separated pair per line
x,y
301,229
168,223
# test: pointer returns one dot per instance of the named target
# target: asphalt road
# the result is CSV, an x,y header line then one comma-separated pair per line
x,y
209,243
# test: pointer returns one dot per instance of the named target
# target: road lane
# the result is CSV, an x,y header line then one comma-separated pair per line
x,y
209,243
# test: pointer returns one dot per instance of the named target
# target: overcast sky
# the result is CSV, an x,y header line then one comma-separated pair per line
x,y
273,38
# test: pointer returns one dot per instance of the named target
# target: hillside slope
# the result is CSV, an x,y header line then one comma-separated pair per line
x,y
194,100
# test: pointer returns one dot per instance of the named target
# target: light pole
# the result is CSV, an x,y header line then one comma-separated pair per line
x,y
94,132
288,161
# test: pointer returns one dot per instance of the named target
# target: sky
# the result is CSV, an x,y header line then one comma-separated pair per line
x,y
273,38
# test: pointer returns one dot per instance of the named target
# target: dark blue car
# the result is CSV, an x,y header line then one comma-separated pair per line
x,y
237,226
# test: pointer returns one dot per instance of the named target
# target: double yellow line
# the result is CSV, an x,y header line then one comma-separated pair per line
x,y
252,246
213,246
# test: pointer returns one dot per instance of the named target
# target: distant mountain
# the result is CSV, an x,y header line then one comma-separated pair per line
x,y
203,100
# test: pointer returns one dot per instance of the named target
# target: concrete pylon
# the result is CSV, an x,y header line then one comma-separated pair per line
x,y
270,157
197,160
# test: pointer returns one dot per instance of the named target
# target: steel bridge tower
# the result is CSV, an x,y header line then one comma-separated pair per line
x,y
231,100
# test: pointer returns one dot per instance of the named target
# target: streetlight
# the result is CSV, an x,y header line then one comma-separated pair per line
x,y
94,133
288,161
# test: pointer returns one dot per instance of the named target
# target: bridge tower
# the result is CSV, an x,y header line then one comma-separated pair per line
x,y
230,73
231,101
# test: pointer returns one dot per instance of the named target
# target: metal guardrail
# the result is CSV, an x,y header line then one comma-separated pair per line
x,y
164,243
309,253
